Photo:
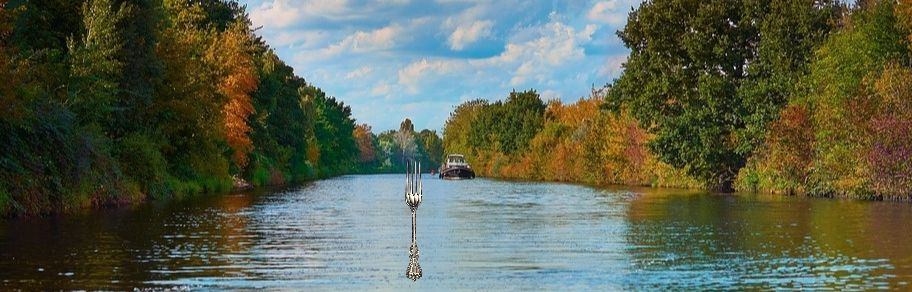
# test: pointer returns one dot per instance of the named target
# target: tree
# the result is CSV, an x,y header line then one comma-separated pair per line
x,y
230,53
364,138
791,31
187,107
838,96
844,131
523,118
94,68
333,128
432,147
508,126
115,101
405,139
141,71
705,77
459,124
12,104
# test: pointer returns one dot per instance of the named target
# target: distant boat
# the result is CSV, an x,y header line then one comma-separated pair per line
x,y
456,167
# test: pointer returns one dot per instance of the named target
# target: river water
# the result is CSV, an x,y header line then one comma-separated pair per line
x,y
353,233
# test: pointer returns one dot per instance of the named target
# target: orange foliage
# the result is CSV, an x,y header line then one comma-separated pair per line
x,y
786,161
230,53
362,134
313,151
573,115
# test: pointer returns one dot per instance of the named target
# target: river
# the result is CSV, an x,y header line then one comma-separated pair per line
x,y
353,233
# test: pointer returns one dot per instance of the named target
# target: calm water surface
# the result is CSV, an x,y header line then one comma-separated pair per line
x,y
353,233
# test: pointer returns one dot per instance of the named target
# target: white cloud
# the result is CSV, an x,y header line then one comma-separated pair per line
x,y
528,59
381,89
468,34
412,75
366,41
607,12
358,42
391,58
359,73
556,45
305,38
361,41
285,13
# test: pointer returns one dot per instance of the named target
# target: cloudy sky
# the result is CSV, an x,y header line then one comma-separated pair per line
x,y
392,59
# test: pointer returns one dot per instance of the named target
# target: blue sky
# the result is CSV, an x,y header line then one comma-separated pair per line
x,y
392,59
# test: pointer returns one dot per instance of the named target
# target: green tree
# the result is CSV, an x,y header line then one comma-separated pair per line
x,y
333,128
791,31
141,69
282,126
431,147
459,124
509,126
94,67
704,76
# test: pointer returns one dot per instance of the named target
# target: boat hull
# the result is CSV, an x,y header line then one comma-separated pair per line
x,y
457,173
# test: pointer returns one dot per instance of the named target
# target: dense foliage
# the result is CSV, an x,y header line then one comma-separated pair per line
x,y
524,138
705,77
109,101
788,96
847,131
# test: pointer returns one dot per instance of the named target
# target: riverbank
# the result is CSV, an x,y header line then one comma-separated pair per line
x,y
108,104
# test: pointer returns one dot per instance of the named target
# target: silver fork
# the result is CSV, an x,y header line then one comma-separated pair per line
x,y
413,194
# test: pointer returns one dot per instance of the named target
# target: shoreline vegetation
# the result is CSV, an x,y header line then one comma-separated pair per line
x,y
789,97
110,102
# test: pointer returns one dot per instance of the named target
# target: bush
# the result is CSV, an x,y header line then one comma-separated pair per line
x,y
143,163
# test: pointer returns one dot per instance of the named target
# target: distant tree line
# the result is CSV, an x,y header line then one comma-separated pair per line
x,y
787,96
114,101
390,150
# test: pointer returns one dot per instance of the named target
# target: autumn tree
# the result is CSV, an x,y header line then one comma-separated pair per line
x,y
230,53
364,138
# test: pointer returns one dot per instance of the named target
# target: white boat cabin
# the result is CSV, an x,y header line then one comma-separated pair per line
x,y
456,160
